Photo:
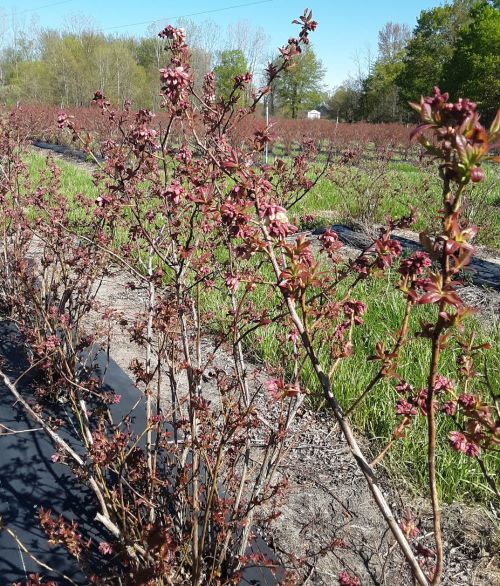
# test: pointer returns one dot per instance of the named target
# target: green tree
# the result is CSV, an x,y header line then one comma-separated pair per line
x,y
300,87
344,103
150,55
381,101
431,47
27,83
15,62
474,68
119,75
230,64
78,65
70,65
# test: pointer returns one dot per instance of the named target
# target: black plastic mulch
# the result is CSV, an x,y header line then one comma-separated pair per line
x,y
30,480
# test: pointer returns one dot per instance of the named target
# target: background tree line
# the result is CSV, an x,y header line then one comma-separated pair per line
x,y
65,67
455,45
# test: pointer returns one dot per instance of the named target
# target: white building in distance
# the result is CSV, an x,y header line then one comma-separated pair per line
x,y
313,115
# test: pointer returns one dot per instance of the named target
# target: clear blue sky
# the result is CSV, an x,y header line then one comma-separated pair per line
x,y
346,28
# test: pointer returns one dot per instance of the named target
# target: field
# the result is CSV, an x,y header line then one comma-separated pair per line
x,y
366,193
376,171
239,345
249,331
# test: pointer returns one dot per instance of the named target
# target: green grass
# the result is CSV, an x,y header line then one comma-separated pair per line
x,y
74,179
362,193
459,476
371,192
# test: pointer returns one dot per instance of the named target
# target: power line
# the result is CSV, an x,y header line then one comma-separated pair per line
x,y
187,15
45,6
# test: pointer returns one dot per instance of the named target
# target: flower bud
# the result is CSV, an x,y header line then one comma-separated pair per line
x,y
476,174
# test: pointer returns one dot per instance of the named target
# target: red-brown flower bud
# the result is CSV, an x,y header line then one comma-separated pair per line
x,y
476,174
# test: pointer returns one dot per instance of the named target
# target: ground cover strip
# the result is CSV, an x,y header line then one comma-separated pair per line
x,y
30,477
